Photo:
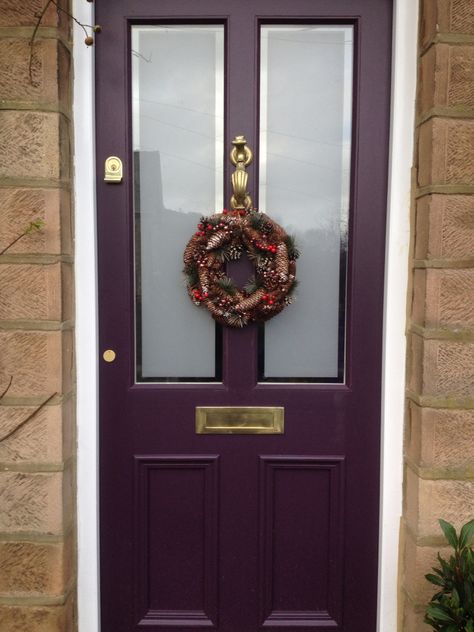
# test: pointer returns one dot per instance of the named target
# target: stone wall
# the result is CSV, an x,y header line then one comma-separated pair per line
x,y
439,449
37,541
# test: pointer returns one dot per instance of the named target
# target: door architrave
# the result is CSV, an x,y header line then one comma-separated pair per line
x,y
405,22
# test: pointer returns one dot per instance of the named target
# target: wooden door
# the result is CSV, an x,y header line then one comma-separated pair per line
x,y
240,531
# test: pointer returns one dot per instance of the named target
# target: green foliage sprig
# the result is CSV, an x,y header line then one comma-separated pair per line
x,y
35,225
452,608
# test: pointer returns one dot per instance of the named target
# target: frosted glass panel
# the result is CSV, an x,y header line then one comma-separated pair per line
x,y
305,137
178,118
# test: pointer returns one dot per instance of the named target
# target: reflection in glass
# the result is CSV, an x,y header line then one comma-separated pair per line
x,y
305,148
178,119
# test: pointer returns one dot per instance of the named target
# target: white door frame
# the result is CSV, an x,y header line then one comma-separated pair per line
x,y
396,278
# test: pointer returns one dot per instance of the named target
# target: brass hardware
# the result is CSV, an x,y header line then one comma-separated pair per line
x,y
240,156
240,420
109,355
113,170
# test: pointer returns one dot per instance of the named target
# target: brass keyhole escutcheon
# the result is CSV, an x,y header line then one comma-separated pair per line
x,y
113,169
109,355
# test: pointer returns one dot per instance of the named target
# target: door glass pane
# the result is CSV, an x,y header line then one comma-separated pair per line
x,y
305,148
178,119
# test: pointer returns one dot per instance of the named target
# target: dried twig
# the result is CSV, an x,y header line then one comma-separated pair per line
x,y
89,40
33,226
30,416
7,389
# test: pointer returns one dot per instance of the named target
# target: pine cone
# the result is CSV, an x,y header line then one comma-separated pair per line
x,y
252,301
217,239
278,232
252,235
204,279
281,260
188,256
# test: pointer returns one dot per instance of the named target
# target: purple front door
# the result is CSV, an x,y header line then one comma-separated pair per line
x,y
262,513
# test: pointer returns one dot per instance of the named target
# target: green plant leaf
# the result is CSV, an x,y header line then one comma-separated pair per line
x,y
434,579
292,289
438,613
227,285
444,564
449,533
455,599
252,285
466,534
35,225
468,594
470,625
291,246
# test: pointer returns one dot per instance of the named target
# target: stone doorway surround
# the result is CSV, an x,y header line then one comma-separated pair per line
x,y
42,588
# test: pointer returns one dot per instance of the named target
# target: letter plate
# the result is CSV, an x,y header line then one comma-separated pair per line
x,y
240,420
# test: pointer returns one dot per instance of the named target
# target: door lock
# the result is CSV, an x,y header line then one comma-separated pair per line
x,y
113,170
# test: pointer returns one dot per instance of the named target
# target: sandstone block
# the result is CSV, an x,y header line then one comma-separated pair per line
x,y
446,152
445,227
49,67
444,298
15,13
420,560
461,76
33,145
36,292
20,207
31,502
462,16
413,620
428,500
446,77
39,362
434,18
445,16
48,437
441,368
23,14
37,618
441,438
34,568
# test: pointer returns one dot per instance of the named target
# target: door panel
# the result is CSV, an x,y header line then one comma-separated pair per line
x,y
301,540
240,532
177,569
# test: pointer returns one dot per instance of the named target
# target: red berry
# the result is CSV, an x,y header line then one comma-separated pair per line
x,y
209,227
200,226
270,302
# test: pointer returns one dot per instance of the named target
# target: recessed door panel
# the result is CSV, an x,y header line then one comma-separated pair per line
x,y
175,532
302,533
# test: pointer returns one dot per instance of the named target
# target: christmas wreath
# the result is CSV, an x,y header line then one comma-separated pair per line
x,y
224,237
